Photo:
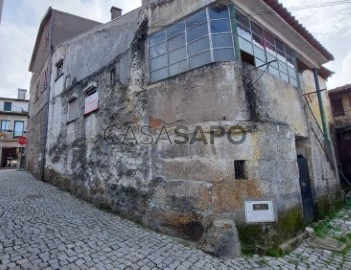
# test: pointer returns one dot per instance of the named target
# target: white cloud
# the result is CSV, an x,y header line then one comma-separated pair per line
x,y
15,47
98,10
329,25
17,39
342,77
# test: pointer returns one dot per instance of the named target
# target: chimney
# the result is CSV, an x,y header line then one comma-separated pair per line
x,y
147,2
115,12
21,93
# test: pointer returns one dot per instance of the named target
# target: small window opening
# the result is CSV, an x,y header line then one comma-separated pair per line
x,y
7,106
337,107
248,58
113,76
59,69
73,112
239,167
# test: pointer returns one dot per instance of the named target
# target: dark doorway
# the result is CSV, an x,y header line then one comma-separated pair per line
x,y
9,157
306,191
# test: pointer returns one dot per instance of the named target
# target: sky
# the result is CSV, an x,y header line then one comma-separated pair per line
x,y
21,19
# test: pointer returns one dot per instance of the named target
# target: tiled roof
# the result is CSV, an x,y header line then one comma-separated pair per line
x,y
340,89
290,19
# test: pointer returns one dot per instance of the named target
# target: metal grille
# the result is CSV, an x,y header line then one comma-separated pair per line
x,y
239,168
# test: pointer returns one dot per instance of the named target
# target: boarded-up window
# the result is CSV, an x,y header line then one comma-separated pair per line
x,y
337,107
73,110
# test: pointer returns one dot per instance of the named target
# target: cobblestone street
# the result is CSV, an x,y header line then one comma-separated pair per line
x,y
42,227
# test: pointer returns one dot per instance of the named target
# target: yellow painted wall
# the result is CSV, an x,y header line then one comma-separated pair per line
x,y
308,86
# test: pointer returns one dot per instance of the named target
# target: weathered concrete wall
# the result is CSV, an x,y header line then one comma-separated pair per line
x,y
172,188
56,28
42,53
37,124
309,86
97,48
176,189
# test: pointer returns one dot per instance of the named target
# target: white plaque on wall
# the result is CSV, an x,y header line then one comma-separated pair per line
x,y
91,103
259,211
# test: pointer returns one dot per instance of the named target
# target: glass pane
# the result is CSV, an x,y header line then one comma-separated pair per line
x,y
279,45
159,62
218,12
244,32
5,125
223,55
157,38
220,26
197,32
281,55
258,52
200,60
241,18
256,29
270,48
196,19
271,58
245,45
222,40
199,46
158,50
282,67
7,106
293,82
290,62
176,42
18,129
178,68
177,55
159,74
258,40
268,37
289,52
292,72
284,77
259,62
175,29
274,71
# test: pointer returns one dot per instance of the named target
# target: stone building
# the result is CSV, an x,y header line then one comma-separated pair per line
x,y
340,99
55,27
13,124
183,114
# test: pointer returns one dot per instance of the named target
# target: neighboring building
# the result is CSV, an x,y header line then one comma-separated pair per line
x,y
1,6
55,28
185,66
340,99
13,124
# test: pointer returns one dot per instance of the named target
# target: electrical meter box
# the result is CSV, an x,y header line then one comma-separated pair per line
x,y
259,211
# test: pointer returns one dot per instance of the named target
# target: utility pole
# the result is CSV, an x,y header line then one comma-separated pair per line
x,y
321,107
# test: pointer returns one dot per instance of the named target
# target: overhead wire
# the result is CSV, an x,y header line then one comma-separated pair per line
x,y
296,8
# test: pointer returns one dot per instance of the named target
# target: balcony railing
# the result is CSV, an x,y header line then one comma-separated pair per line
x,y
12,109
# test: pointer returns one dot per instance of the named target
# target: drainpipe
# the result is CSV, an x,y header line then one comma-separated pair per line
x,y
235,32
320,101
48,98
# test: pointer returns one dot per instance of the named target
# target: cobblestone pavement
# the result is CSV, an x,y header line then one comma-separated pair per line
x,y
42,227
